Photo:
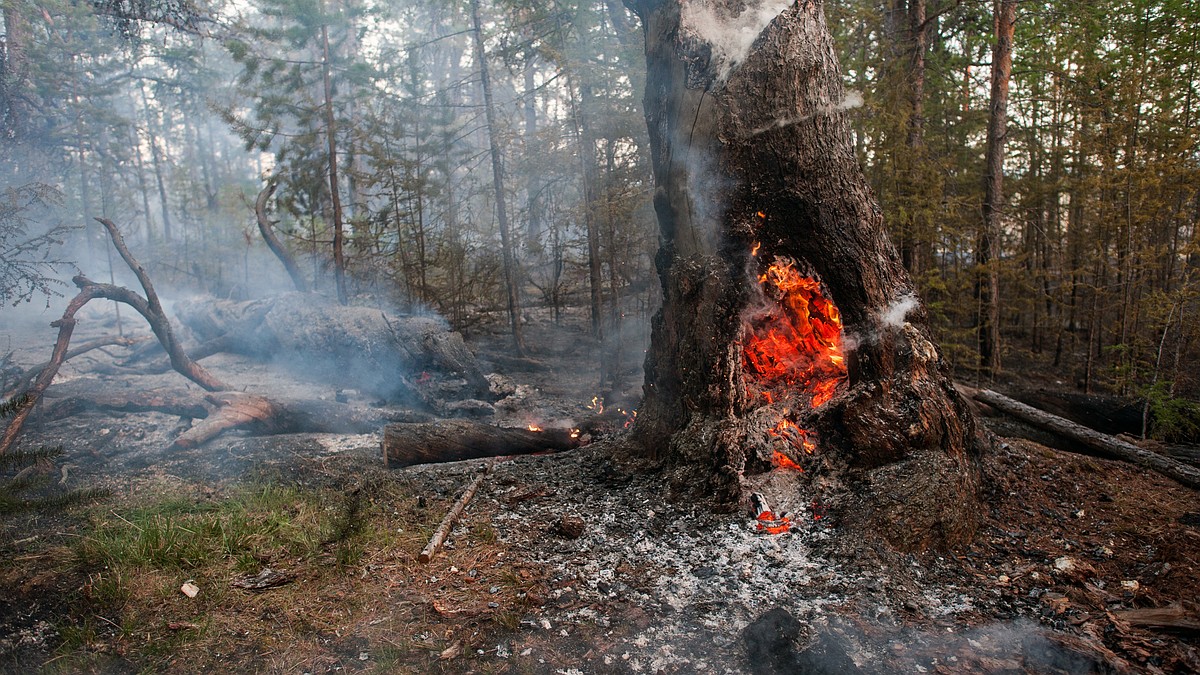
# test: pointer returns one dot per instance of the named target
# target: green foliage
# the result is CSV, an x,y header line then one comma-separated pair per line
x,y
23,488
1172,418
28,257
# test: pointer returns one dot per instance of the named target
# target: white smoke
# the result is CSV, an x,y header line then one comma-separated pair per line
x,y
894,314
730,37
853,99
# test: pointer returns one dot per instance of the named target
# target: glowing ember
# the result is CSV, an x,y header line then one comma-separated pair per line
x,y
798,344
784,462
766,522
533,427
575,433
793,346
769,523
597,404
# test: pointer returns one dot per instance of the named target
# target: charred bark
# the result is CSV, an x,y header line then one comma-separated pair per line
x,y
752,149
451,441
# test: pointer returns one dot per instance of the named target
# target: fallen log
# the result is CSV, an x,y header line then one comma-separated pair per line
x,y
266,416
443,530
454,440
1101,443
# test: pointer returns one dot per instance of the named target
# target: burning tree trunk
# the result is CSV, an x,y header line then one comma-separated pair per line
x,y
764,214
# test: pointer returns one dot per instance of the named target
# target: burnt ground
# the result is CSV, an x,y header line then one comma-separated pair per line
x,y
578,562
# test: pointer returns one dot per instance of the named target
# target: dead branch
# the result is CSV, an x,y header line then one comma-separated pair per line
x,y
443,530
1101,443
66,326
22,381
161,325
267,229
152,310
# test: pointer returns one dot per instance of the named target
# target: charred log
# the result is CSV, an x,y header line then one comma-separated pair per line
x,y
451,441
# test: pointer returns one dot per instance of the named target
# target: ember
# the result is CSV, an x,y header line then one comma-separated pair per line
x,y
534,427
767,522
797,343
793,345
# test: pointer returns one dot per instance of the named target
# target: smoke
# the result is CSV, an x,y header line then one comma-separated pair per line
x,y
894,314
891,317
853,99
730,37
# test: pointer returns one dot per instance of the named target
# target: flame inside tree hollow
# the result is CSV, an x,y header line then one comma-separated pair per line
x,y
792,347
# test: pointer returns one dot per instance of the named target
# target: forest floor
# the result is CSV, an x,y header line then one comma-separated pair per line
x,y
577,562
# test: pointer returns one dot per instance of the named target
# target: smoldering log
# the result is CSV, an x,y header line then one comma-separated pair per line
x,y
454,440
1103,444
359,346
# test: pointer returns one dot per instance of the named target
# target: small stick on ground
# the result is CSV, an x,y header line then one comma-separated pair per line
x,y
443,530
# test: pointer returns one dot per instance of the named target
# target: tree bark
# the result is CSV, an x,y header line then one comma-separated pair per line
x,y
511,276
757,149
988,284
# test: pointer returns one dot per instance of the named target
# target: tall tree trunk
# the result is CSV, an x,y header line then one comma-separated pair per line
x,y
988,284
15,87
753,149
591,204
511,276
156,162
339,258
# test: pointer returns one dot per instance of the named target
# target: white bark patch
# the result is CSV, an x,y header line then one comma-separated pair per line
x,y
730,37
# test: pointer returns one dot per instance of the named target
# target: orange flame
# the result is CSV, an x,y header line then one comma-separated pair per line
x,y
798,344
769,523
533,427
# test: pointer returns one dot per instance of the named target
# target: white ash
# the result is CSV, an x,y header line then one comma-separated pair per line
x,y
702,576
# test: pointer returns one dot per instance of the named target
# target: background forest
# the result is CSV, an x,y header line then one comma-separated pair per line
x,y
482,159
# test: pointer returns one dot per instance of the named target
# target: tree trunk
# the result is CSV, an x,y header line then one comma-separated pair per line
x,y
268,234
988,284
511,277
156,161
754,163
339,259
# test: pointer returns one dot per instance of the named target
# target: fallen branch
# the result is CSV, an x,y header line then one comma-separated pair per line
x,y
22,381
1101,443
443,530
149,307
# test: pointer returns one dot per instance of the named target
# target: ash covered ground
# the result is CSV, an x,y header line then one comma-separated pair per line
x,y
584,561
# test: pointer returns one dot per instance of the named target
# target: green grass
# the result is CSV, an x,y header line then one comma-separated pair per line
x,y
252,526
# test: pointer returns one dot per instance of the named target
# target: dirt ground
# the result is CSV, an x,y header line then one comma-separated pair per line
x,y
578,562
